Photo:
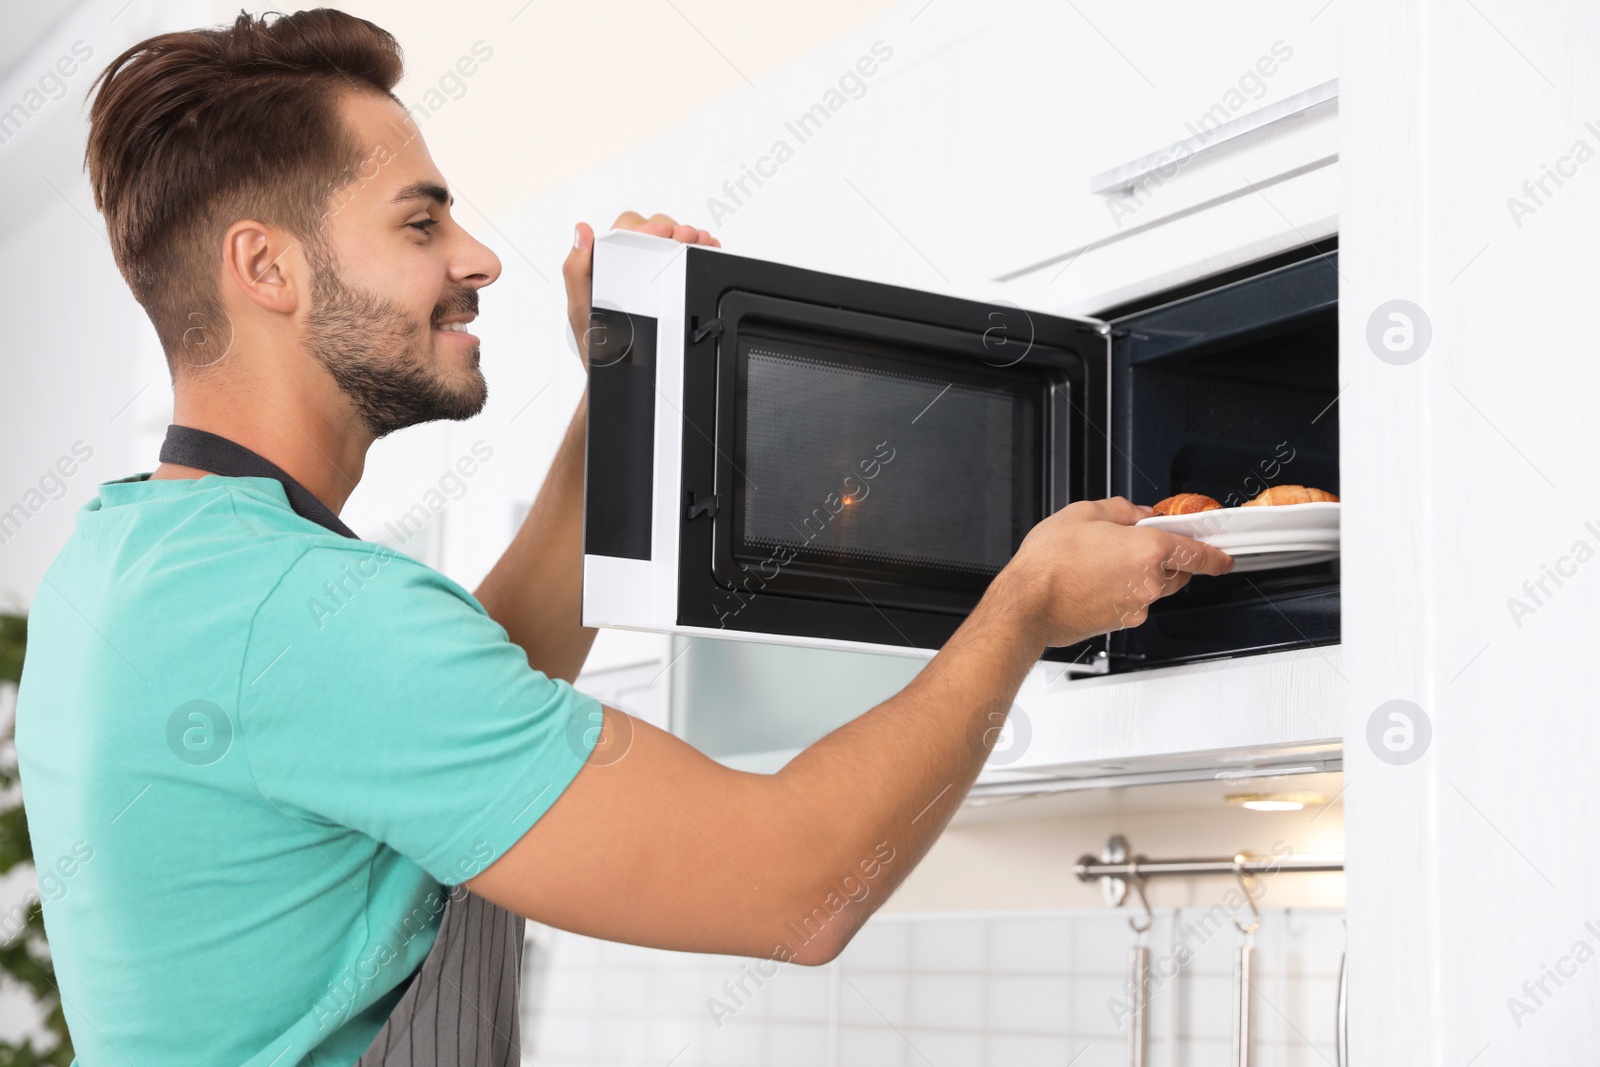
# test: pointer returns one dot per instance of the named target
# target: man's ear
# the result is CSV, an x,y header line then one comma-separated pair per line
x,y
265,264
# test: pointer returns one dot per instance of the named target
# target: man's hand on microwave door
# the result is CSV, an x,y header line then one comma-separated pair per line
x,y
1087,570
578,271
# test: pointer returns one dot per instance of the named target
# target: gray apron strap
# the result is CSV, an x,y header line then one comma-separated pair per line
x,y
462,1008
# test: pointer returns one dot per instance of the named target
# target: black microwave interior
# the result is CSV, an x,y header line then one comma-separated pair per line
x,y
1225,392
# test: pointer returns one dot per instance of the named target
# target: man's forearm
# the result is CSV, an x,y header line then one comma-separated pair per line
x,y
897,774
535,589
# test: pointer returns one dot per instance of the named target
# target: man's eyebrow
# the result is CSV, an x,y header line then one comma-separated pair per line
x,y
425,190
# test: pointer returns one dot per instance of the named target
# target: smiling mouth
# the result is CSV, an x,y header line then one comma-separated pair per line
x,y
458,330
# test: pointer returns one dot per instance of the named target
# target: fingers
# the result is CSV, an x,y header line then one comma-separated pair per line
x,y
579,269
580,261
1188,556
1114,509
656,225
1176,581
1122,510
578,273
660,225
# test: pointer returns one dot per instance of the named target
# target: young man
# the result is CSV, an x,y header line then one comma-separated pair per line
x,y
264,757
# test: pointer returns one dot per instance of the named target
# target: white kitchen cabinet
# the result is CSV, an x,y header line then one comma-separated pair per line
x,y
979,149
965,157
1232,717
754,706
1183,245
1472,874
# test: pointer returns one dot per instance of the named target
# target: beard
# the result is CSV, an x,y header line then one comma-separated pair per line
x,y
382,358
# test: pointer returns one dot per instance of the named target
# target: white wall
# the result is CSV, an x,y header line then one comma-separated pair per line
x,y
82,363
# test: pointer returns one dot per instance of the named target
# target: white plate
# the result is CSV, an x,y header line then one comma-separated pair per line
x,y
1264,537
1271,561
1282,546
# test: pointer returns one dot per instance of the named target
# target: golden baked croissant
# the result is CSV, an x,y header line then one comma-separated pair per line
x,y
1292,494
1186,504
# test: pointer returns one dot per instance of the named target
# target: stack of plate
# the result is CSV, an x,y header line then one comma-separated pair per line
x,y
1264,537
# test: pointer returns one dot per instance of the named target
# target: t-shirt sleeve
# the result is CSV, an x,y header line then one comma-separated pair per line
x,y
378,695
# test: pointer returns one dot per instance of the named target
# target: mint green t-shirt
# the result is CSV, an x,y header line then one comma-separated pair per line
x,y
252,754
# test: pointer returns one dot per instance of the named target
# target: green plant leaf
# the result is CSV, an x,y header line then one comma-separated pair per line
x,y
25,959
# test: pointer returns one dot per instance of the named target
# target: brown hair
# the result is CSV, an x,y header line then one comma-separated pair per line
x,y
194,130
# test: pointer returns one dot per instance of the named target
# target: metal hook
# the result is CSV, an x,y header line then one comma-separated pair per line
x,y
1255,912
1138,887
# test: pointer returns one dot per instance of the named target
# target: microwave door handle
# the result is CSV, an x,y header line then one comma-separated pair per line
x,y
1120,180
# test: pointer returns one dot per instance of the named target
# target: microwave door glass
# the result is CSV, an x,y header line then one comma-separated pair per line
x,y
851,466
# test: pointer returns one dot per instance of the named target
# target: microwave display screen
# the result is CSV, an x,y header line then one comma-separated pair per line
x,y
854,460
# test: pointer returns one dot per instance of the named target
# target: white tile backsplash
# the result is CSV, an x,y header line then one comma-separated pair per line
x,y
949,945
1101,948
942,1000
1012,1050
950,990
1204,1004
868,1047
945,1048
1031,1004
1030,945
881,945
797,1045
871,998
799,994
1092,1000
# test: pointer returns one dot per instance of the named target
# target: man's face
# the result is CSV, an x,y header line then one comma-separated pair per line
x,y
396,281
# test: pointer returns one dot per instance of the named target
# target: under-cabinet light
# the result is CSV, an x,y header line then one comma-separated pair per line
x,y
1274,801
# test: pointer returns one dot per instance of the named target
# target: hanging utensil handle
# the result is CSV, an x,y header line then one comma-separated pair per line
x,y
1243,960
1341,1032
1138,1018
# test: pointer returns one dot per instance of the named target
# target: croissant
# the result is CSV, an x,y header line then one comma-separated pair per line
x,y
1292,494
1186,504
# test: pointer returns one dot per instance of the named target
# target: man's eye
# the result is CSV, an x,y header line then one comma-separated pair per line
x,y
423,224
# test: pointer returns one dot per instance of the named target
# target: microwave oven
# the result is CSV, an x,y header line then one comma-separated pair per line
x,y
779,454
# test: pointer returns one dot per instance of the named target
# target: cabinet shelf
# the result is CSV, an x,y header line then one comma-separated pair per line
x,y
748,707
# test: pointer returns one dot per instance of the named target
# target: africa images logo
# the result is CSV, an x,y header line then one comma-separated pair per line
x,y
199,733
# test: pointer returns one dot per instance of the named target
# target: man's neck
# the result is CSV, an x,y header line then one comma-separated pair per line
x,y
329,464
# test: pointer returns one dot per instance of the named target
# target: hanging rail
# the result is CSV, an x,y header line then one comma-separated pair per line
x,y
1091,867
1115,866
